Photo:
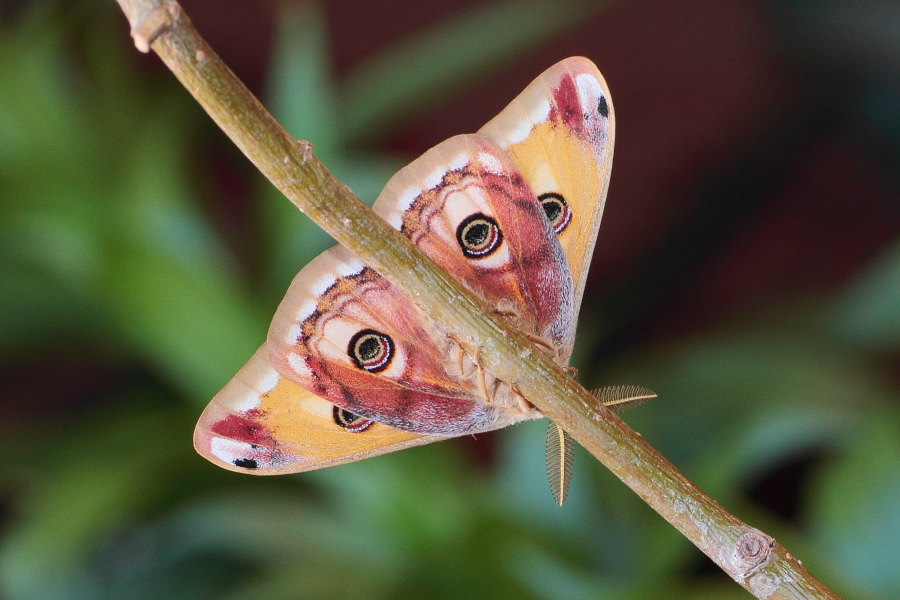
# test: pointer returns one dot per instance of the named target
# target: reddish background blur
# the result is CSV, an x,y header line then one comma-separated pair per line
x,y
744,169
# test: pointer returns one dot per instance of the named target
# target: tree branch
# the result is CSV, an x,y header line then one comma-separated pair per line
x,y
750,557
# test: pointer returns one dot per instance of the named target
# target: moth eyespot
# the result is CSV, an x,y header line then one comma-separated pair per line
x,y
371,350
557,209
478,236
603,107
245,463
349,421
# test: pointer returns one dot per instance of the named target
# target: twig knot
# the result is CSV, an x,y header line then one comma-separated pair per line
x,y
751,552
151,24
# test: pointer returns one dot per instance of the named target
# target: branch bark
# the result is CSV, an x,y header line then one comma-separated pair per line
x,y
750,557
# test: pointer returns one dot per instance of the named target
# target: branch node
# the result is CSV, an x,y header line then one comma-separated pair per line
x,y
150,25
752,551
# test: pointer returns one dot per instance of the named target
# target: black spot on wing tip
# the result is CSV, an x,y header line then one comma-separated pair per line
x,y
603,107
246,463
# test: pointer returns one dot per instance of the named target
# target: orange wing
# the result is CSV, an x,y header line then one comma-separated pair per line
x,y
560,132
445,199
264,424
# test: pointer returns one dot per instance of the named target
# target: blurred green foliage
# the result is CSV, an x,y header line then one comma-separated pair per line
x,y
110,270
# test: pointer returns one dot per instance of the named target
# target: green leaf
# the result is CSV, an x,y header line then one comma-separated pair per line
x,y
302,98
868,313
197,327
103,475
855,509
301,93
166,279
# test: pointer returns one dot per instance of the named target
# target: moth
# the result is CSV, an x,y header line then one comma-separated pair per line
x,y
351,368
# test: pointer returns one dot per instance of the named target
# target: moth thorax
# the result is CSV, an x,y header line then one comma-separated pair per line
x,y
485,387
525,322
521,320
512,405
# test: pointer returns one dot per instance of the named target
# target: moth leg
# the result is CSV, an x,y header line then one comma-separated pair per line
x,y
460,356
547,346
524,404
482,382
540,341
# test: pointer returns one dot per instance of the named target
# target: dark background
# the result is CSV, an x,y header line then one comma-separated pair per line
x,y
747,269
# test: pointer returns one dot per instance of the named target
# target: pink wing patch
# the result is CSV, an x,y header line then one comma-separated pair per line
x,y
465,204
345,333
